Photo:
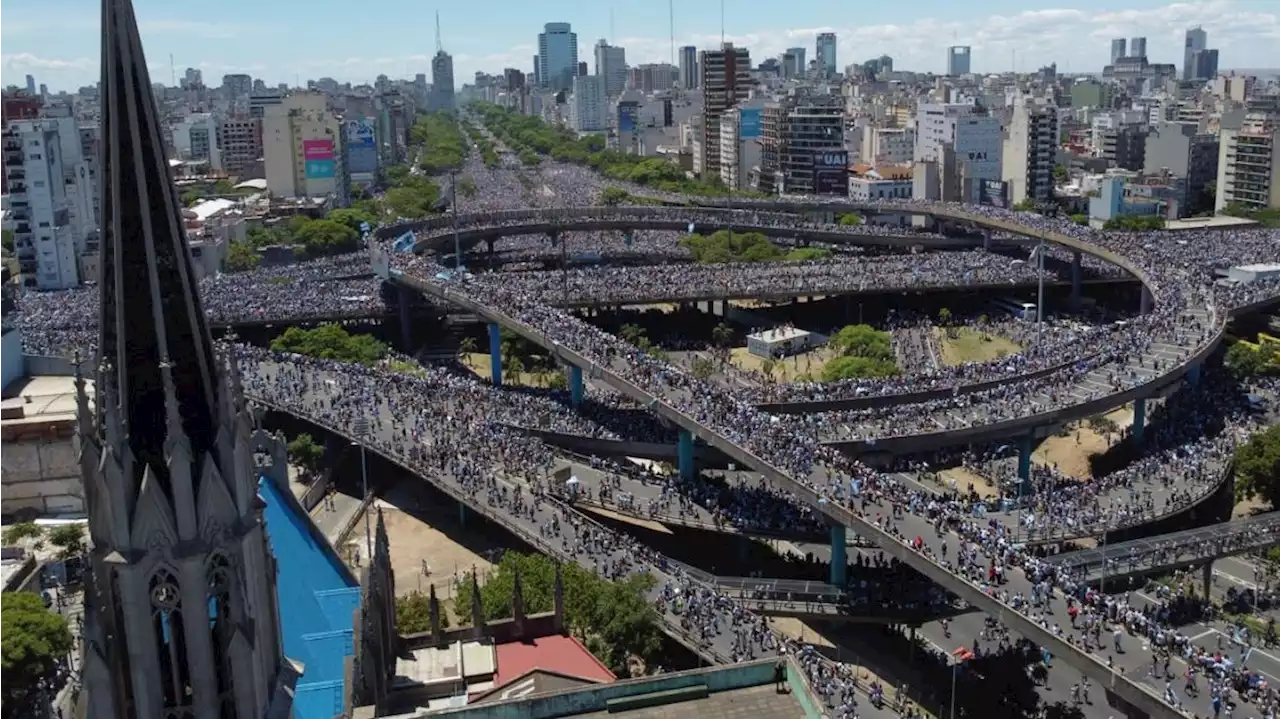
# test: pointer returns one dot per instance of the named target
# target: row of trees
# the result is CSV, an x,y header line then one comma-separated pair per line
x,y
1257,466
1268,217
488,154
530,137
410,195
336,233
724,246
862,352
332,342
1246,360
1134,223
438,137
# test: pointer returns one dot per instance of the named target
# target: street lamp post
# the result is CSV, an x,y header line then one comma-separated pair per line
x,y
361,427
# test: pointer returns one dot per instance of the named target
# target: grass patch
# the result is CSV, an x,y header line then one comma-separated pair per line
x,y
409,368
965,344
806,366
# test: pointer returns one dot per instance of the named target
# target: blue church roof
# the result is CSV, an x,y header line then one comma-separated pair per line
x,y
317,605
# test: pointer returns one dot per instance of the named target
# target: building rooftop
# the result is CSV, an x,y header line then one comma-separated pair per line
x,y
758,702
779,334
556,653
1218,222
40,399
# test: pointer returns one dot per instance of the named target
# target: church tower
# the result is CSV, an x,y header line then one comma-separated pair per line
x,y
181,615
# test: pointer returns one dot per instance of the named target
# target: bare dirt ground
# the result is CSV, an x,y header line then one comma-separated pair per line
x,y
964,477
788,369
1071,453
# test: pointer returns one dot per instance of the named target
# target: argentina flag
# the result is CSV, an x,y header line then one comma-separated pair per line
x,y
404,243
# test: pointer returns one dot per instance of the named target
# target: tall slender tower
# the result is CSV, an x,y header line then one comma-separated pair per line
x,y
181,615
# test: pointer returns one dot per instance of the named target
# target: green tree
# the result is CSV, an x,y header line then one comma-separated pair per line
x,y
352,217
721,335
191,197
326,237
21,531
944,316
466,346
1027,205
1080,219
241,256
724,247
35,641
6,240
767,367
1245,361
614,196
862,341
224,187
1060,173
307,453
852,367
1257,466
850,218
702,368
1134,223
467,186
332,342
808,254
413,614
69,538
634,334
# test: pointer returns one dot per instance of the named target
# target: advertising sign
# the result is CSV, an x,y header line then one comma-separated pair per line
x,y
320,169
831,160
317,150
994,193
627,114
831,172
749,123
360,134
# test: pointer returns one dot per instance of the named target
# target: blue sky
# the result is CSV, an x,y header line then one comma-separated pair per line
x,y
284,41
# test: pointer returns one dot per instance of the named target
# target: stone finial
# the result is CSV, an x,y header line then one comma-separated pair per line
x,y
477,604
517,602
433,607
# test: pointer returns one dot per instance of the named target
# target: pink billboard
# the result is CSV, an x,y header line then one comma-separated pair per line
x,y
317,149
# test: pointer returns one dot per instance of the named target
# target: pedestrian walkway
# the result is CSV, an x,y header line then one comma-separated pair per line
x,y
334,513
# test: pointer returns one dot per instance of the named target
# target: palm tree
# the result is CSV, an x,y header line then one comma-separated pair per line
x,y
632,333
465,347
767,367
721,335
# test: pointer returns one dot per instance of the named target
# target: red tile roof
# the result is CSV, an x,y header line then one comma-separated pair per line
x,y
556,653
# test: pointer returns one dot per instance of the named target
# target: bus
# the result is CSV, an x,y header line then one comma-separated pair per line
x,y
1015,307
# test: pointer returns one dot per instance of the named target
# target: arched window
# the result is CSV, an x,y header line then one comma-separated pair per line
x,y
171,644
221,629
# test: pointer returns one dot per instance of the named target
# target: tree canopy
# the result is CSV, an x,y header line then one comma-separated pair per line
x,y
530,137
613,619
318,238
1247,360
1269,217
439,137
306,453
35,640
725,246
1257,466
330,341
1134,223
863,352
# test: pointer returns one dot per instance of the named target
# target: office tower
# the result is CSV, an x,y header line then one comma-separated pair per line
x,y
236,86
651,77
1196,40
1137,47
1029,151
958,60
793,62
196,138
1249,163
1204,64
725,81
826,54
689,67
299,147
192,78
557,56
1117,49
611,64
442,92
239,143
812,159
583,69
537,71
181,611
974,135
589,104
31,84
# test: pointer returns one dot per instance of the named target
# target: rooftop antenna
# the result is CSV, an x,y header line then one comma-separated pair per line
x,y
612,38
439,46
671,27
721,23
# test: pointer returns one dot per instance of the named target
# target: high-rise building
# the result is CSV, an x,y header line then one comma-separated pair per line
x,y
442,93
1249,163
300,147
557,56
611,64
192,78
236,86
1204,64
651,77
725,81
1117,49
181,613
825,52
974,135
240,144
588,107
958,58
1183,151
196,138
793,63
1029,151
689,67
1196,40
1137,47
812,158
31,84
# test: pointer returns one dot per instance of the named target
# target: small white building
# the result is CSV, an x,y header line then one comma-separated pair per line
x,y
783,341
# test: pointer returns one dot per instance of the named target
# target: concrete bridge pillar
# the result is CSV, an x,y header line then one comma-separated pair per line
x,y
1144,305
839,556
986,240
1208,579
1139,419
575,385
406,318
629,238
684,455
1193,375
462,514
1024,463
495,354
1075,280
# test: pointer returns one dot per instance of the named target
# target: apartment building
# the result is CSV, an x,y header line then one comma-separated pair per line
x,y
887,145
813,159
1181,151
240,143
1249,163
1029,151
301,147
971,132
588,107
725,81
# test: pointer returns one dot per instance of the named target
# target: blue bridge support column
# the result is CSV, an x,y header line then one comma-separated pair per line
x,y
1024,464
684,454
1075,280
575,385
839,556
495,354
1144,304
1139,419
406,319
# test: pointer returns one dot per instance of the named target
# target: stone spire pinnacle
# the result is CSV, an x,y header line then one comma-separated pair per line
x,y
151,312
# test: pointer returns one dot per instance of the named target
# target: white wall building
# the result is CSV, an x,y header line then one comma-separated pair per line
x,y
1030,151
589,105
975,135
893,145
611,64
301,147
196,138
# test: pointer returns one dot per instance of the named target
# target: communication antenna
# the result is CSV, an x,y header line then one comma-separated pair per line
x,y
671,27
173,71
722,23
612,38
439,46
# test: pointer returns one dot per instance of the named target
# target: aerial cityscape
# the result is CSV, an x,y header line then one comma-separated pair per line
x,y
915,364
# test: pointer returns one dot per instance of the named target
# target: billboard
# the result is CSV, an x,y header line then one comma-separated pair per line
x,y
831,172
994,193
317,150
360,135
628,113
749,123
831,160
320,169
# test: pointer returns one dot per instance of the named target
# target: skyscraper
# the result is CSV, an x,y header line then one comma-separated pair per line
x,y
1204,64
958,60
31,84
726,81
1137,47
442,81
689,67
1117,49
1196,40
557,56
797,53
180,615
611,64
826,54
